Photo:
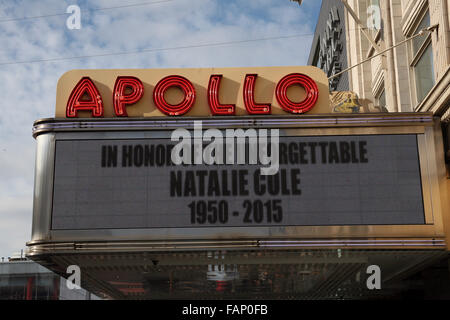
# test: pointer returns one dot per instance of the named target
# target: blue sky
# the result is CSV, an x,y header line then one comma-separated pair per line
x,y
28,90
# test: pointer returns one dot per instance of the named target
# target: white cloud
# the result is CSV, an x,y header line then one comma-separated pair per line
x,y
28,91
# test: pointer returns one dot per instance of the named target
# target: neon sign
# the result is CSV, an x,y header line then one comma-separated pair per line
x,y
86,97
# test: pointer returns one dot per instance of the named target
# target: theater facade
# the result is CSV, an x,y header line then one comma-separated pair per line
x,y
234,183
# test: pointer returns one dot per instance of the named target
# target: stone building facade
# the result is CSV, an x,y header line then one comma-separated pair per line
x,y
413,76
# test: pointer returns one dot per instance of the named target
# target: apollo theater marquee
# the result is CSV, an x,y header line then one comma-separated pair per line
x,y
349,190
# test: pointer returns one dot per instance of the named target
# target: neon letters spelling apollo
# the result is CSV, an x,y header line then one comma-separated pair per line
x,y
128,90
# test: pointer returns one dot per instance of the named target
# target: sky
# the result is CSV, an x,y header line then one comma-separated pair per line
x,y
28,85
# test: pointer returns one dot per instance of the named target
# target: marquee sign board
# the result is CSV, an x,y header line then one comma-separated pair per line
x,y
321,181
338,176
192,92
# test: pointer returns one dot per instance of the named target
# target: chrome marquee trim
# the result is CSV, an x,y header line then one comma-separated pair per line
x,y
165,123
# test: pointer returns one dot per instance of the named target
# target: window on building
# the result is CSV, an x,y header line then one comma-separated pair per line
x,y
422,62
446,135
381,99
317,61
419,41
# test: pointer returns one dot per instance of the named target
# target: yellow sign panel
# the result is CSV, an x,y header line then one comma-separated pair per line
x,y
192,92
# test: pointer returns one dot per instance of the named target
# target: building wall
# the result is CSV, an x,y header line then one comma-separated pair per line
x,y
394,70
361,76
321,33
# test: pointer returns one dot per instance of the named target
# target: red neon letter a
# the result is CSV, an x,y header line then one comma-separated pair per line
x,y
76,102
